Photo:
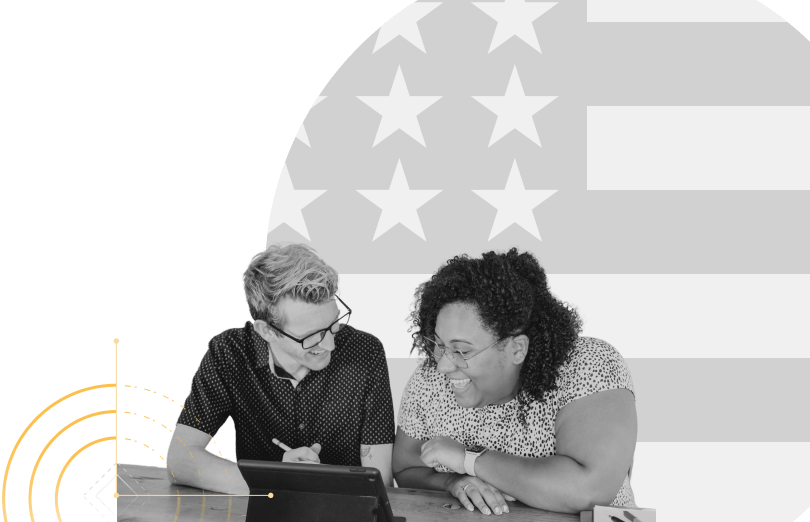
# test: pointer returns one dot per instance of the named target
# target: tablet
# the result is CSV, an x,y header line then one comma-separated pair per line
x,y
317,492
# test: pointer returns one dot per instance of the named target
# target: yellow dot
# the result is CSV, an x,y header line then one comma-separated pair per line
x,y
115,494
115,341
269,495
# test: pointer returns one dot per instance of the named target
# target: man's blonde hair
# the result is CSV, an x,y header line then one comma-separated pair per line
x,y
287,270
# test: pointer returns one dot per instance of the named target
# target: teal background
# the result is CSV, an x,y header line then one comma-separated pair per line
x,y
140,145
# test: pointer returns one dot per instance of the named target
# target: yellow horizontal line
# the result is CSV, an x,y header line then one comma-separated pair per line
x,y
268,495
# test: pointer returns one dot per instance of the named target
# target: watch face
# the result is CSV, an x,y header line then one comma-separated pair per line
x,y
475,449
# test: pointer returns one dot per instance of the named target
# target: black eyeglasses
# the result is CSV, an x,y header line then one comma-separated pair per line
x,y
314,339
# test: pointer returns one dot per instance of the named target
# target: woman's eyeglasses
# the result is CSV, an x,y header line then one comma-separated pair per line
x,y
459,358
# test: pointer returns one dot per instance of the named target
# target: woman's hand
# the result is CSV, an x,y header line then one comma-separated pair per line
x,y
444,451
303,454
473,492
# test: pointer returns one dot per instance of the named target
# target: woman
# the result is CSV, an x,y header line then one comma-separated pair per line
x,y
512,404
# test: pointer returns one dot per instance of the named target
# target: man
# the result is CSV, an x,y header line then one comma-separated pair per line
x,y
298,374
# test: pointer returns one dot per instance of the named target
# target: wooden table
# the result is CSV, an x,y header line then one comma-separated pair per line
x,y
414,504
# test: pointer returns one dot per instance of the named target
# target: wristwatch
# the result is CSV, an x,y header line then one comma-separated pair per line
x,y
470,454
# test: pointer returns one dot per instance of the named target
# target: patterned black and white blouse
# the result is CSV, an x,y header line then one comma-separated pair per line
x,y
429,408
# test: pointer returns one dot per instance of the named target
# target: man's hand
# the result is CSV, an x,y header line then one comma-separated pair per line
x,y
303,454
473,492
444,451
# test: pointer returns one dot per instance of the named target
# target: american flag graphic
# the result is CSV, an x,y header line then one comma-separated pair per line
x,y
653,155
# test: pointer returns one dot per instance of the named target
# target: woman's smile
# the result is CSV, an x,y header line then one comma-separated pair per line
x,y
460,385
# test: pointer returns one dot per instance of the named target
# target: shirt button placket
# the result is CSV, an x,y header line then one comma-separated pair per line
x,y
299,414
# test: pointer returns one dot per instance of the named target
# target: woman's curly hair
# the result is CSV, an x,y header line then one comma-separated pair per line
x,y
510,293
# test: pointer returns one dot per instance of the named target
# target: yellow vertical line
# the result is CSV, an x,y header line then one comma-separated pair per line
x,y
116,417
177,512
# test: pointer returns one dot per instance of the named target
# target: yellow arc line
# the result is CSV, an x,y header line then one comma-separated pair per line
x,y
43,412
33,473
58,482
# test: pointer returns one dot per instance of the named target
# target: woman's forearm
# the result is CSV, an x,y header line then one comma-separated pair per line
x,y
556,483
422,478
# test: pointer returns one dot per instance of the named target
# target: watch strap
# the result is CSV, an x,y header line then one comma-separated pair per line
x,y
469,462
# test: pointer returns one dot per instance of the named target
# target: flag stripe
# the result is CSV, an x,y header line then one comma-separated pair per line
x,y
584,232
743,481
718,400
688,64
719,404
698,148
702,400
643,316
680,11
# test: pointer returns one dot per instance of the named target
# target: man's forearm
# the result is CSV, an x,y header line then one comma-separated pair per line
x,y
422,478
201,469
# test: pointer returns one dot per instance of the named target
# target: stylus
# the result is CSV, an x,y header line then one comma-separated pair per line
x,y
281,445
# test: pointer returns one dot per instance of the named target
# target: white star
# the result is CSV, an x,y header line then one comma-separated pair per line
x,y
287,204
514,204
514,110
399,110
399,204
515,18
302,132
404,24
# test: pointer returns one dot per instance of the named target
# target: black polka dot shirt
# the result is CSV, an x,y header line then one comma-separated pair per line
x,y
346,404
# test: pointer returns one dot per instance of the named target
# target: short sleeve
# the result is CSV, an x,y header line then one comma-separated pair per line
x,y
378,425
208,405
593,366
411,409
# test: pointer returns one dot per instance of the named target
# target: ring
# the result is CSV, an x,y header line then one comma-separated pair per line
x,y
464,489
